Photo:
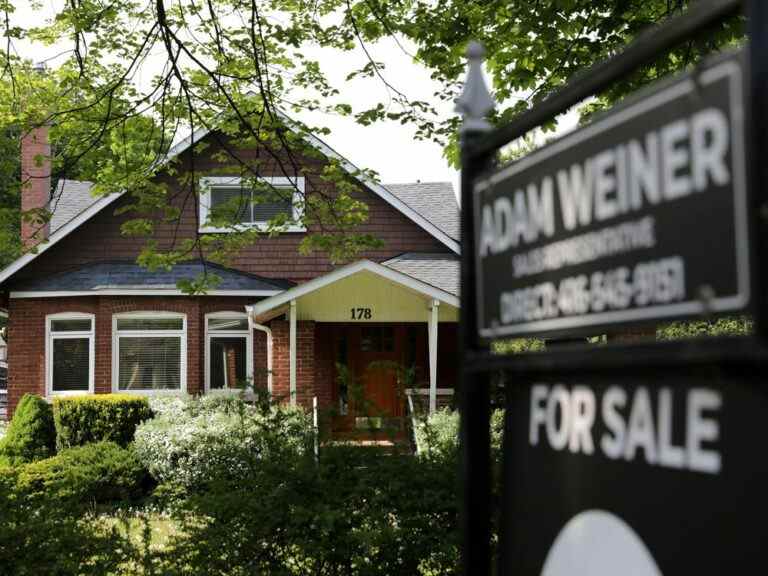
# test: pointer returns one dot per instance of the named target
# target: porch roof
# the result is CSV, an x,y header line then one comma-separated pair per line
x,y
262,309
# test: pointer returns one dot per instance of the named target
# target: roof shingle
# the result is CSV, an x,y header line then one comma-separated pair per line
x,y
438,270
122,275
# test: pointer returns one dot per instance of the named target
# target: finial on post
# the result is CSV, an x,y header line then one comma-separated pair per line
x,y
475,101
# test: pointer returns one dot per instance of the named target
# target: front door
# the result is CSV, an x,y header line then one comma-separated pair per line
x,y
377,365
367,390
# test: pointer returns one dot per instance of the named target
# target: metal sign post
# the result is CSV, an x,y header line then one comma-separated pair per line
x,y
644,456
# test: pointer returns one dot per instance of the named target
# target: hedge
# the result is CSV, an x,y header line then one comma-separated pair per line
x,y
31,435
96,473
83,419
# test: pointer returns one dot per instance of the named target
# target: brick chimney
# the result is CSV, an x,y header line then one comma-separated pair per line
x,y
35,185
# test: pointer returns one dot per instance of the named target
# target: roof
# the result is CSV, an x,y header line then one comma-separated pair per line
x,y
69,199
118,277
438,270
433,200
76,205
278,300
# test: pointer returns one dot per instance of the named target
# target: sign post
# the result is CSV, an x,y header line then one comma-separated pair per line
x,y
643,458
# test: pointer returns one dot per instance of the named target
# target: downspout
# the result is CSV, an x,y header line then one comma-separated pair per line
x,y
268,331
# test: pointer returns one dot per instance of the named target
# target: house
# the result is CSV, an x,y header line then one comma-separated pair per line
x,y
85,318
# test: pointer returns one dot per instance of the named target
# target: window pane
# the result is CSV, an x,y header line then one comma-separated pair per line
x,y
228,324
265,211
228,365
150,324
150,363
71,325
70,364
232,203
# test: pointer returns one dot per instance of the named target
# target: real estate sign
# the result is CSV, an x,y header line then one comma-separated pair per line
x,y
643,476
641,215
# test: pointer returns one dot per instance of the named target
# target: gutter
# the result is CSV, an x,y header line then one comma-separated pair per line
x,y
252,325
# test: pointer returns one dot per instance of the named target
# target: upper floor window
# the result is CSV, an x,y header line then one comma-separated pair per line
x,y
228,201
69,353
149,352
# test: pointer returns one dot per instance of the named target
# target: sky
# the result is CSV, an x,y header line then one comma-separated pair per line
x,y
388,148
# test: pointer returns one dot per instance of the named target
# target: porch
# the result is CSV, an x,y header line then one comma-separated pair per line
x,y
377,335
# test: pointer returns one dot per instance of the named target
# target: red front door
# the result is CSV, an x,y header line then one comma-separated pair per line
x,y
368,359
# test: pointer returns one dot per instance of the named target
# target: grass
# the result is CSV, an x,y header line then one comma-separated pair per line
x,y
152,529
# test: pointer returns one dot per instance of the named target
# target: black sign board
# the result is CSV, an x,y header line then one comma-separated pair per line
x,y
642,215
643,476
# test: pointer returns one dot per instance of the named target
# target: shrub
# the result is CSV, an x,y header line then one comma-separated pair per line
x,y
38,535
83,419
355,512
437,436
94,473
31,435
211,439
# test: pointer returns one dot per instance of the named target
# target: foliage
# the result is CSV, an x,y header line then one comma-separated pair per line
x,y
728,326
437,435
354,512
196,442
83,419
31,435
114,112
41,537
518,345
95,473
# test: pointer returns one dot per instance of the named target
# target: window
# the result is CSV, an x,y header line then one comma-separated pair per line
x,y
377,339
149,352
229,351
69,352
225,196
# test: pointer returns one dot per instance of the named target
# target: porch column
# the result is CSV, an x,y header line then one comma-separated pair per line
x,y
292,351
432,328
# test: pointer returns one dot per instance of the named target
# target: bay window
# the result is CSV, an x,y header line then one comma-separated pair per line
x,y
149,352
69,351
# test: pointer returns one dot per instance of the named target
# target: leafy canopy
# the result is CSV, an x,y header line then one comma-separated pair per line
x,y
136,75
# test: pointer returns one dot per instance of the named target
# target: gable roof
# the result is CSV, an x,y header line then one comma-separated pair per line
x,y
265,306
76,206
126,277
438,270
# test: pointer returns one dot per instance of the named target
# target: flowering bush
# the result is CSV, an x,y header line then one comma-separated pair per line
x,y
193,443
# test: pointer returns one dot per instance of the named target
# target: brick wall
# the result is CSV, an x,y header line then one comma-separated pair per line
x,y
26,336
305,362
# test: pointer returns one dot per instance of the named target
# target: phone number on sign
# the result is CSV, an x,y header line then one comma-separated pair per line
x,y
648,283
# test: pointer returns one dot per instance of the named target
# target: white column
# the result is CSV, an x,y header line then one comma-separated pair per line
x,y
432,328
292,351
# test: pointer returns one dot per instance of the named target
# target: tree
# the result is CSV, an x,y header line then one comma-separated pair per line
x,y
240,65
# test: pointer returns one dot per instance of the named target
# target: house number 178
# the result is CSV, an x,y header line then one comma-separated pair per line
x,y
361,313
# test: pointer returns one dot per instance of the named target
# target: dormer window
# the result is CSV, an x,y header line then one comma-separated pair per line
x,y
228,202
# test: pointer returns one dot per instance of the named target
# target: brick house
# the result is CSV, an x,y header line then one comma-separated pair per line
x,y
84,318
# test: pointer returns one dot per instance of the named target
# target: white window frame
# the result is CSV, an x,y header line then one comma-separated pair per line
x,y
208,182
153,314
50,336
227,334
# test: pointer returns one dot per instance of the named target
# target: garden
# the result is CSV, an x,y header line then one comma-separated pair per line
x,y
120,484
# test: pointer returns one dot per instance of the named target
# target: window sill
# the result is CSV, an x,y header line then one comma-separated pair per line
x,y
150,392
244,227
65,393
